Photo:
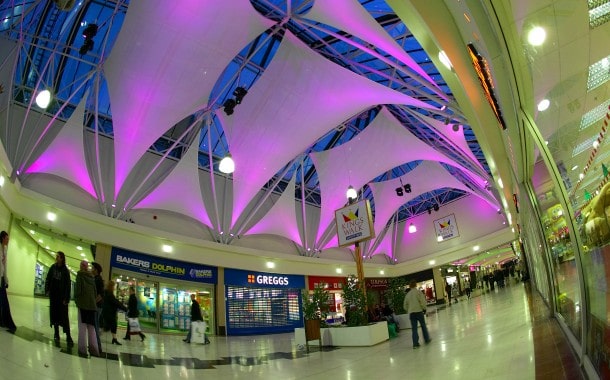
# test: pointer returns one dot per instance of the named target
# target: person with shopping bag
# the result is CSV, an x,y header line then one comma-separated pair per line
x,y
133,323
198,326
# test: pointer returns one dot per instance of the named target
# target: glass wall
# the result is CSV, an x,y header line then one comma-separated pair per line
x,y
560,249
165,306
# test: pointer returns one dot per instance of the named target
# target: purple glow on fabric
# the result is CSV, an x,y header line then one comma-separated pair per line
x,y
298,99
64,161
164,65
426,177
65,156
457,137
281,218
384,137
185,177
349,16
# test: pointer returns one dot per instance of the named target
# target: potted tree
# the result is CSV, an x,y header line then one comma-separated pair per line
x,y
315,310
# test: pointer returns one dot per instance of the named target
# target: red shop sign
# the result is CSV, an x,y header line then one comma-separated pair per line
x,y
334,283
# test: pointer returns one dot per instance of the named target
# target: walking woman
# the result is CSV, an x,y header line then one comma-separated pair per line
x,y
132,312
109,311
6,320
57,286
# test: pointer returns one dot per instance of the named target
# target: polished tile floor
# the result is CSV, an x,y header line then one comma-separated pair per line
x,y
505,334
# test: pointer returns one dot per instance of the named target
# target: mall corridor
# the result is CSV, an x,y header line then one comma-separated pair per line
x,y
504,334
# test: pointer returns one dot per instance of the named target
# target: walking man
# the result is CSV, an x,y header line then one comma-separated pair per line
x,y
415,304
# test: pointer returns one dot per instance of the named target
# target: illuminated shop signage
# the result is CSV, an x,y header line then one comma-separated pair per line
x,y
376,283
161,267
332,283
263,280
482,69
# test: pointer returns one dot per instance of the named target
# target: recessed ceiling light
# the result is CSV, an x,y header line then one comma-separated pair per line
x,y
270,264
40,241
33,232
442,56
431,262
439,238
51,216
339,270
167,248
382,272
581,176
544,105
476,248
536,36
574,167
79,247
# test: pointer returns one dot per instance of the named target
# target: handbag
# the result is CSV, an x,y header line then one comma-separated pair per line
x,y
134,326
198,332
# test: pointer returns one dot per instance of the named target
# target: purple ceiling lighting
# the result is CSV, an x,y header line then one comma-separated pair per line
x,y
281,218
299,98
164,64
65,156
427,176
384,137
456,137
350,17
185,177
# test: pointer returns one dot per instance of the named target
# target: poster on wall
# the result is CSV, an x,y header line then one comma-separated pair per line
x,y
446,228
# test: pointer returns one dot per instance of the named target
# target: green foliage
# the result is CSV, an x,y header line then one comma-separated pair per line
x,y
352,295
315,306
396,294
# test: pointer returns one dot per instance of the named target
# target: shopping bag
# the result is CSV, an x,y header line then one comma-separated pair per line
x,y
198,332
134,326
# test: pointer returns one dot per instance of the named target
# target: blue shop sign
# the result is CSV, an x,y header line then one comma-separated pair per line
x,y
263,280
161,267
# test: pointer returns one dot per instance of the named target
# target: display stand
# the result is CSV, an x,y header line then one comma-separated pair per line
x,y
312,332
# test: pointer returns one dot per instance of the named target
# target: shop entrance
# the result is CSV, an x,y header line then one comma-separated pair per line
x,y
147,295
164,307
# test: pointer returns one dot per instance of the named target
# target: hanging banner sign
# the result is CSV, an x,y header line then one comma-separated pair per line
x,y
161,267
354,223
446,228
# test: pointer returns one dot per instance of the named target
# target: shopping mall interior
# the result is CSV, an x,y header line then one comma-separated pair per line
x,y
456,143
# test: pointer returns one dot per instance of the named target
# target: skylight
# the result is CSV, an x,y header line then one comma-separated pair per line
x,y
599,12
599,73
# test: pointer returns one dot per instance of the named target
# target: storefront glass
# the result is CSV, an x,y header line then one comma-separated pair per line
x,y
562,260
163,289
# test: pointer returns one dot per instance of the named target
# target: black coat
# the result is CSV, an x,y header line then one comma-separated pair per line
x,y
109,310
58,286
132,307
196,312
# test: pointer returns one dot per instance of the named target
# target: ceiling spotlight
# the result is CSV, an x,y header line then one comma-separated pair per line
x,y
399,191
412,228
43,99
456,127
407,188
227,165
229,106
351,193
543,105
90,31
87,47
436,207
429,211
536,36
239,94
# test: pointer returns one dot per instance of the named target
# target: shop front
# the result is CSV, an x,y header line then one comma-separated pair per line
x,y
262,303
376,289
334,285
163,288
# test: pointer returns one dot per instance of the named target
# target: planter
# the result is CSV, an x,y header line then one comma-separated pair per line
x,y
403,321
360,336
312,329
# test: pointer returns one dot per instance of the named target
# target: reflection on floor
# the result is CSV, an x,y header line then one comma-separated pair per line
x,y
504,334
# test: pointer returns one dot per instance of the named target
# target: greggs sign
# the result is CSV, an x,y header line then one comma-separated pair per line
x,y
265,280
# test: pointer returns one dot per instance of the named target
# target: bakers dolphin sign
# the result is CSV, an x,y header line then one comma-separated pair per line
x,y
157,266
